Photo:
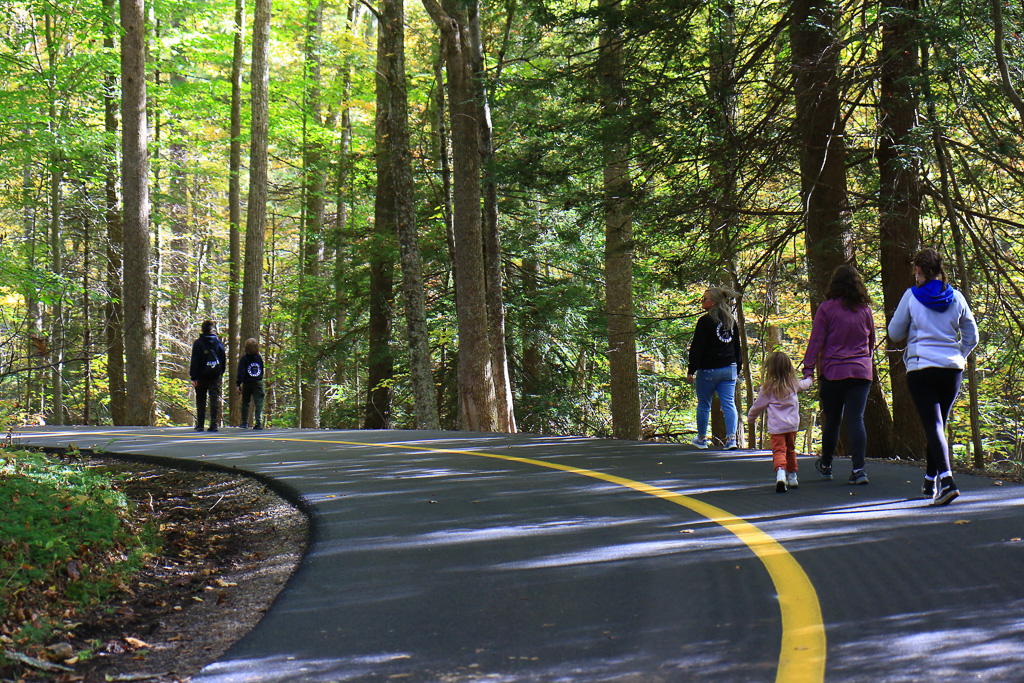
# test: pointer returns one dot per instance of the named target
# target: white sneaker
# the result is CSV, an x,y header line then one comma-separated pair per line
x,y
730,442
780,480
791,480
700,442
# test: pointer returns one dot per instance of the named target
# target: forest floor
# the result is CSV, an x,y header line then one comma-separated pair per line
x,y
228,546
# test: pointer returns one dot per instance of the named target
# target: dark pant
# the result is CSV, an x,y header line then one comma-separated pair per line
x,y
838,397
208,388
934,391
253,391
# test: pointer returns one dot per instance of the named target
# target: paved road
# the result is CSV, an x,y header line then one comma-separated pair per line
x,y
442,556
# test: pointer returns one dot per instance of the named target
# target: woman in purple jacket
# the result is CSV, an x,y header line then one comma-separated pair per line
x,y
842,340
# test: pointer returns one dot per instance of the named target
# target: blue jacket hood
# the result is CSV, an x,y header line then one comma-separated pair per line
x,y
934,294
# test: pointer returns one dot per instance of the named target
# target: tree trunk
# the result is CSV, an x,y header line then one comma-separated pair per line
x,y
392,33
477,411
314,187
821,144
114,315
618,216
256,219
492,237
57,267
900,204
235,213
138,331
381,362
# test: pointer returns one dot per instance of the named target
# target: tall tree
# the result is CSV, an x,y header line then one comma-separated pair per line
x,y
381,362
492,236
899,197
138,330
256,218
618,218
477,409
113,319
314,186
235,207
392,33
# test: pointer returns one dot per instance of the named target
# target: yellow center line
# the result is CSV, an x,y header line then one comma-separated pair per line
x,y
802,653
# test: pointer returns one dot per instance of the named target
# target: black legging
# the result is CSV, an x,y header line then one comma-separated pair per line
x,y
934,391
839,396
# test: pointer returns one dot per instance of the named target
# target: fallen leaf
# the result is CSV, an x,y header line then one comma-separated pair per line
x,y
1015,540
136,643
962,521
686,531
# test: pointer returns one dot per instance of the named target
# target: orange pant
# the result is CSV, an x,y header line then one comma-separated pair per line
x,y
784,451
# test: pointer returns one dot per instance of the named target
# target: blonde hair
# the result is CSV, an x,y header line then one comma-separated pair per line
x,y
722,313
779,375
251,346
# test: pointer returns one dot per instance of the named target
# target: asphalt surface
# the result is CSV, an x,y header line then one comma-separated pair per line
x,y
446,556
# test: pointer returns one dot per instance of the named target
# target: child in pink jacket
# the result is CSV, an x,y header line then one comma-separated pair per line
x,y
778,396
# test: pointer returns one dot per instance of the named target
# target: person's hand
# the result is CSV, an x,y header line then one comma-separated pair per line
x,y
195,384
689,379
239,389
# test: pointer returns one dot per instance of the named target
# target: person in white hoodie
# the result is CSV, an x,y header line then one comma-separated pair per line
x,y
778,397
941,332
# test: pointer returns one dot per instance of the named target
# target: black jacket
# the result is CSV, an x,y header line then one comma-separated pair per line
x,y
713,346
209,359
250,368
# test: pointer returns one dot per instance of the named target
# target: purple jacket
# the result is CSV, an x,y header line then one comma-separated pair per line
x,y
841,342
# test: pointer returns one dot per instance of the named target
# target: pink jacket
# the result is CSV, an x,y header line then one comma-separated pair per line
x,y
783,413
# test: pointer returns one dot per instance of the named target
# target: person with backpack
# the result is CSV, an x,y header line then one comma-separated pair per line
x,y
250,384
209,360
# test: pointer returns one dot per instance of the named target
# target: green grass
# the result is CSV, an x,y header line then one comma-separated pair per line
x,y
68,539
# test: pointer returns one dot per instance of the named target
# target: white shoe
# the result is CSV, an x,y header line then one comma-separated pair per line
x,y
701,443
780,480
730,442
791,480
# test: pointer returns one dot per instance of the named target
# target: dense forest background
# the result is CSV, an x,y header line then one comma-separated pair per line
x,y
495,216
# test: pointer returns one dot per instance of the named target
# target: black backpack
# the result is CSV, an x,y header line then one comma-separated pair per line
x,y
211,368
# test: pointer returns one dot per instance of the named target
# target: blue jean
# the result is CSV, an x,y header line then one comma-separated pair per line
x,y
706,383
838,397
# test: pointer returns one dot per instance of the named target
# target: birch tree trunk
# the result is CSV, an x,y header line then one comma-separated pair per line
x,y
138,330
618,216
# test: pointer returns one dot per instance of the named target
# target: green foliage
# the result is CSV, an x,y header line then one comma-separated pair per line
x,y
68,540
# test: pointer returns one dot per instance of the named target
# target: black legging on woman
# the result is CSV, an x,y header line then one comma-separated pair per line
x,y
839,396
934,391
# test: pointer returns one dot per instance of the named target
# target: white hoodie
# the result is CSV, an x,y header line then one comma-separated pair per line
x,y
935,339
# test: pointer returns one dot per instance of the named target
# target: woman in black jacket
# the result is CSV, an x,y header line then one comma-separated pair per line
x,y
715,362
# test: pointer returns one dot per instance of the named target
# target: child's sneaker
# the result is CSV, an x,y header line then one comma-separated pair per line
x,y
791,480
858,477
824,470
928,488
945,492
780,480
700,442
730,442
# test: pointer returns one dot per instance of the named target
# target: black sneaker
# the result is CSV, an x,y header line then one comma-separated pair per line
x,y
858,477
824,470
198,428
243,426
946,492
257,426
211,429
928,488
